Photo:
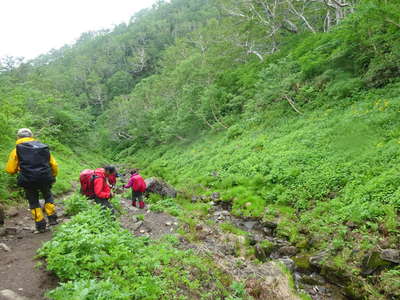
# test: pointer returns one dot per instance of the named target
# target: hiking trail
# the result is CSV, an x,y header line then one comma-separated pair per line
x,y
24,277
21,275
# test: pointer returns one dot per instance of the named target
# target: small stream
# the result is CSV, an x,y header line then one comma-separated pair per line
x,y
307,281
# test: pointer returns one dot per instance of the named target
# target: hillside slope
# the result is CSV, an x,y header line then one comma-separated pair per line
x,y
291,116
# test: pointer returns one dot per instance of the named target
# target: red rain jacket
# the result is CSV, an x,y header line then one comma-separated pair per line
x,y
137,183
112,179
101,188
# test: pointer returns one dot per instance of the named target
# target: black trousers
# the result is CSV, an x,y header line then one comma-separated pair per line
x,y
32,194
137,196
105,203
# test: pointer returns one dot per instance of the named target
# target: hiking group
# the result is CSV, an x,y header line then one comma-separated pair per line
x,y
37,171
98,185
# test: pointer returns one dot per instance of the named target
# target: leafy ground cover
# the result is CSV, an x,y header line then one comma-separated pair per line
x,y
330,176
96,258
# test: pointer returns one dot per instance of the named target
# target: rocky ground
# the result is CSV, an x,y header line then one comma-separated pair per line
x,y
272,250
143,222
21,275
24,277
263,281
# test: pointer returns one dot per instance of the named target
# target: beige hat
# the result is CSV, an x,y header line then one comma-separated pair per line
x,y
24,132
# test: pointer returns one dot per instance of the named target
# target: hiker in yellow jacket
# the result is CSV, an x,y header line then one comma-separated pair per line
x,y
37,170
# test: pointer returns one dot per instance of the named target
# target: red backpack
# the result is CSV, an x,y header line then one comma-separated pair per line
x,y
87,182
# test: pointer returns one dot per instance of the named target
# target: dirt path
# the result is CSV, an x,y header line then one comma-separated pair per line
x,y
153,225
18,271
21,275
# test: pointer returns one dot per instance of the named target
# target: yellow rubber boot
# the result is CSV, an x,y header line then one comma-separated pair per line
x,y
38,216
50,209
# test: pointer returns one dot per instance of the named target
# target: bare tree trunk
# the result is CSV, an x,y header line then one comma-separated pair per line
x,y
217,120
291,102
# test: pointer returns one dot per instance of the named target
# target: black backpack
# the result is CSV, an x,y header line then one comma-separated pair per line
x,y
34,163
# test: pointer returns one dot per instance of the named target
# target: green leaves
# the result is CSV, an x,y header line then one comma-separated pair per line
x,y
97,259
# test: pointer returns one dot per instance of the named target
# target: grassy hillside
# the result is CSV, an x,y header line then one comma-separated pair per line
x,y
315,147
317,174
292,118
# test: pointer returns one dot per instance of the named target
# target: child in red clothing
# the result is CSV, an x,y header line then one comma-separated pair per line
x,y
138,185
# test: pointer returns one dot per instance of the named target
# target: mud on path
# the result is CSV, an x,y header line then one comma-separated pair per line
x,y
21,274
18,271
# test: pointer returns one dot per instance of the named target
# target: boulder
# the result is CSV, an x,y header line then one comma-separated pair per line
x,y
225,213
12,212
260,253
318,259
249,224
137,225
351,225
391,255
372,262
5,247
268,247
270,224
289,263
215,196
303,243
11,295
204,198
158,186
288,251
11,230
312,279
302,263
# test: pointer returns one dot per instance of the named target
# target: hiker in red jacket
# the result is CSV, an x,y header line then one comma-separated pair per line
x,y
102,189
138,186
112,179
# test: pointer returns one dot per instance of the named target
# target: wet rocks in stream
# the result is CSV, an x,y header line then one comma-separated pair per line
x,y
312,274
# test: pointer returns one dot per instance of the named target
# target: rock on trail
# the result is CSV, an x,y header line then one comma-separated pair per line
x,y
11,295
143,222
158,186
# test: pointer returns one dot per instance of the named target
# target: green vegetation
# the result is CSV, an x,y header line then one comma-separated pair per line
x,y
291,116
228,227
165,205
97,259
76,204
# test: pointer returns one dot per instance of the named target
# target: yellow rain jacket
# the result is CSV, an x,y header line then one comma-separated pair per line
x,y
12,166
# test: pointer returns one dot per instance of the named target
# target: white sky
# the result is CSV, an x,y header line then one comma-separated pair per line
x,y
32,27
